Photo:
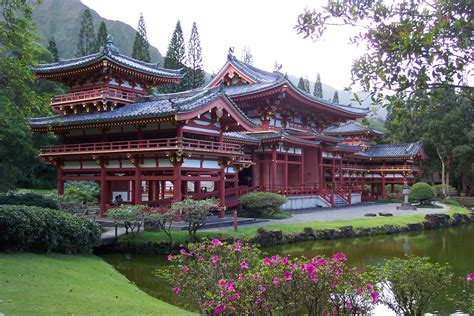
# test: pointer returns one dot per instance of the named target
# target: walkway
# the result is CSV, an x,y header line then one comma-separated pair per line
x,y
344,213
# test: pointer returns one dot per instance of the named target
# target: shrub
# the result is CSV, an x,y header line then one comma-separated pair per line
x,y
130,216
29,199
410,285
40,229
262,203
195,212
233,280
88,191
438,190
421,192
163,221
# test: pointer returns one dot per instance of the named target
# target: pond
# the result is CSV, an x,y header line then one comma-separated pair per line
x,y
452,245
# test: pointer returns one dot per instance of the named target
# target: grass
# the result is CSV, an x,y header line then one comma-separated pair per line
x,y
249,232
54,284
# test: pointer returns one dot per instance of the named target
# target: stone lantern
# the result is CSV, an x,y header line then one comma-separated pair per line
x,y
406,204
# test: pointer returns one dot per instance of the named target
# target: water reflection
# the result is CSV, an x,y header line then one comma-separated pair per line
x,y
450,245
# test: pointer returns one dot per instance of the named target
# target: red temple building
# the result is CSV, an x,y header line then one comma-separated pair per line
x,y
248,129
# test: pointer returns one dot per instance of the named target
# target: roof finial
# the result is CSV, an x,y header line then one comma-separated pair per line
x,y
230,53
109,47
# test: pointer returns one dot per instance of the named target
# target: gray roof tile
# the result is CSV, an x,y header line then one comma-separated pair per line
x,y
350,128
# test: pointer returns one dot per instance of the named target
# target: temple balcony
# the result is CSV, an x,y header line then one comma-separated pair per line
x,y
99,99
164,145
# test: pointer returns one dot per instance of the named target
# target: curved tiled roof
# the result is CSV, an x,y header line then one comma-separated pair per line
x,y
351,128
393,150
145,107
254,73
110,53
259,137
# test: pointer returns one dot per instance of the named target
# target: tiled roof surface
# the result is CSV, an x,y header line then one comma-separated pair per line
x,y
254,73
258,137
111,53
350,128
145,107
393,150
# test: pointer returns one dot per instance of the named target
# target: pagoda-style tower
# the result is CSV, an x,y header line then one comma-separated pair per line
x,y
103,81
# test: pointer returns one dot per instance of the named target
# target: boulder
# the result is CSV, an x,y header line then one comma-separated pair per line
x,y
437,220
385,214
308,231
370,214
268,237
346,232
415,226
329,233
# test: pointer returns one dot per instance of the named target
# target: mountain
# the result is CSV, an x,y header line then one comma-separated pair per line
x,y
62,19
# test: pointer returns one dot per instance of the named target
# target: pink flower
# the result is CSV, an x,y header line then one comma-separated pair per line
x,y
237,247
284,260
375,297
221,282
310,268
190,252
183,251
266,261
185,269
339,257
170,257
470,276
200,258
338,272
215,259
241,276
333,283
276,281
216,242
275,259
293,266
322,262
359,291
230,286
349,305
370,287
176,290
220,308
236,296
244,264
287,275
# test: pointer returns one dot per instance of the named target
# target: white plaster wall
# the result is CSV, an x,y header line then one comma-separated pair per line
x,y
113,164
192,163
89,165
304,202
149,163
211,164
164,163
71,165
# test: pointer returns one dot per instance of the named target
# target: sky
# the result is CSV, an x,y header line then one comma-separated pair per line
x,y
266,27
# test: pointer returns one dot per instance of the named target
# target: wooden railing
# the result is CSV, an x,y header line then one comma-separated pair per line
x,y
146,145
105,92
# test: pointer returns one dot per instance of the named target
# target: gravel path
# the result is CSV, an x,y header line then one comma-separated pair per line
x,y
344,213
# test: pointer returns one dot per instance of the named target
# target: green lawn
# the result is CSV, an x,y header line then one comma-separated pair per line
x,y
56,284
249,232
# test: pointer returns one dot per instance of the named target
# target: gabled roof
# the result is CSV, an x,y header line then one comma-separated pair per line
x,y
112,54
351,128
149,107
409,150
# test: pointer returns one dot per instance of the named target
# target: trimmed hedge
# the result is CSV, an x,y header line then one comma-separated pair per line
x,y
40,229
262,203
421,192
30,199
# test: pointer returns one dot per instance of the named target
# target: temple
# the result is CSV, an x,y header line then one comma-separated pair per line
x,y
247,130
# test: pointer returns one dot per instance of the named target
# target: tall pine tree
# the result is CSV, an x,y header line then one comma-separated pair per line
x,y
247,56
175,57
318,87
303,84
195,72
102,35
87,43
335,98
53,49
141,46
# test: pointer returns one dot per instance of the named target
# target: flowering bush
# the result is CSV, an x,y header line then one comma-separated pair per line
x,y
464,299
130,216
233,279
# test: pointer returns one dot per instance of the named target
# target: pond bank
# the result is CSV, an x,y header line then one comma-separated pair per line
x,y
157,243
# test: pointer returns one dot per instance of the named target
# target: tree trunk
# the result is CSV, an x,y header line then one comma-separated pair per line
x,y
443,174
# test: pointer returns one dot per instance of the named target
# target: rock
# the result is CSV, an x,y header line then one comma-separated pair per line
x,y
437,220
268,238
346,232
370,214
385,214
415,226
329,233
308,231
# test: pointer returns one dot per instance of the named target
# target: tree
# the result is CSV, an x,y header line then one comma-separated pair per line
x,y
335,98
411,45
175,56
318,87
141,46
130,216
102,35
195,73
53,49
247,56
87,43
303,84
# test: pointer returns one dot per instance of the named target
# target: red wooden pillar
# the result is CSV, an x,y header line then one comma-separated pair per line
x,y
137,189
177,195
154,188
222,192
384,193
197,186
333,170
273,168
341,172
302,169
255,169
162,188
321,168
60,181
286,170
103,192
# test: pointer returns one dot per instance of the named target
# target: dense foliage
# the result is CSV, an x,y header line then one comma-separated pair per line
x,y
409,286
162,221
87,43
303,85
233,279
318,87
443,191
29,199
262,203
175,56
130,216
422,192
102,35
141,46
30,228
195,71
195,212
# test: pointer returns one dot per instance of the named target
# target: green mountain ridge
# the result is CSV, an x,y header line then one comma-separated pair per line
x,y
62,19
